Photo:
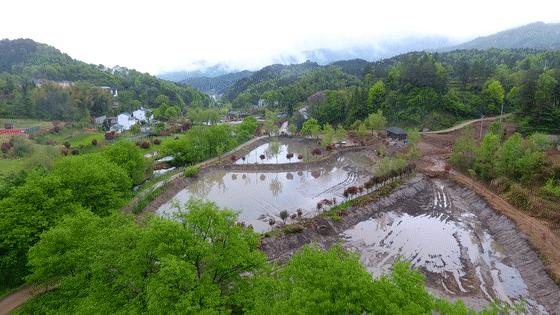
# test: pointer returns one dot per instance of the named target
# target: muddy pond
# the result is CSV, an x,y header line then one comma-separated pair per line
x,y
450,234
260,195
284,150
464,249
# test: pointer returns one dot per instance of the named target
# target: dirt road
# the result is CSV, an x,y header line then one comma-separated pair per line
x,y
466,123
16,299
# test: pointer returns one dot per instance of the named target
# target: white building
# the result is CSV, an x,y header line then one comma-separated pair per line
x,y
126,121
142,115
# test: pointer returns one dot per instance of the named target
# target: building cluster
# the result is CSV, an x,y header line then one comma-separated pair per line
x,y
124,121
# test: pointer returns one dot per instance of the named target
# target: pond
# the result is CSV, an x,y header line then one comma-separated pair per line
x,y
439,234
277,152
262,194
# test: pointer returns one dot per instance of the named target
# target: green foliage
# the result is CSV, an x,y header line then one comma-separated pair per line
x,y
190,171
376,121
493,95
334,282
516,158
362,132
463,154
193,264
327,136
128,157
388,164
311,127
201,143
376,96
22,61
340,133
551,188
95,182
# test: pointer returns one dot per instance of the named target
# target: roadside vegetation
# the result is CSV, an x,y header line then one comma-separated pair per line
x,y
518,168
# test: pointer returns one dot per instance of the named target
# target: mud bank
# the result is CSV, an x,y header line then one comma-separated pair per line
x,y
464,248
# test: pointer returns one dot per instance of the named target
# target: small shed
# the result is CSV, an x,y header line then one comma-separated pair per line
x,y
396,133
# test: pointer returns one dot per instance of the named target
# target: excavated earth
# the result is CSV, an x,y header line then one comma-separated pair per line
x,y
464,248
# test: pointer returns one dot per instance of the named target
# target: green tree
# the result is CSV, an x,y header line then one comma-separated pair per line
x,y
493,95
271,122
486,155
340,134
311,127
128,157
193,264
94,181
376,121
362,132
327,136
376,95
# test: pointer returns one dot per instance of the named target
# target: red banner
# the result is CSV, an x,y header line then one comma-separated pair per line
x,y
12,131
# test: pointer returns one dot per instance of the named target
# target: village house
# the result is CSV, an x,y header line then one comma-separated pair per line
x,y
396,133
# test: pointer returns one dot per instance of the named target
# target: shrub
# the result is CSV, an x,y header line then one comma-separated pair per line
x,y
157,141
262,156
233,158
289,155
284,215
94,141
64,151
67,145
190,171
316,151
21,147
145,145
6,146
110,135
300,157
293,228
75,152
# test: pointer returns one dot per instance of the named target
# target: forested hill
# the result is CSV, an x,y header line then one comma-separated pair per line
x,y
23,62
537,35
218,84
290,84
419,89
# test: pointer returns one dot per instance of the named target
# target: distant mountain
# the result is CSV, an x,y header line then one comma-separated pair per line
x,y
537,35
216,85
202,70
366,51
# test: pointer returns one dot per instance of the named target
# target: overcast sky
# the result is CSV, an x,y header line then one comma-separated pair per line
x,y
157,36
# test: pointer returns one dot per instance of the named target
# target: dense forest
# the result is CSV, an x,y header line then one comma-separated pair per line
x,y
418,89
33,84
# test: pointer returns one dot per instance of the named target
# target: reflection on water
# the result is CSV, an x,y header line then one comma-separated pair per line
x,y
448,243
267,193
276,152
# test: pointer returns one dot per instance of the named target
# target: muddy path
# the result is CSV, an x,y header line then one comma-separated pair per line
x,y
464,248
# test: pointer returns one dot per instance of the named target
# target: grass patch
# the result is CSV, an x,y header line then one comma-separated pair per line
x,y
8,166
190,171
148,197
335,212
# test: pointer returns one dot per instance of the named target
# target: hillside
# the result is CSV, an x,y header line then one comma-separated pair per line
x,y
216,85
284,86
537,35
23,62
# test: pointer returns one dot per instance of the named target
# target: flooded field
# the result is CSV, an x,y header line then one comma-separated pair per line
x,y
262,194
284,150
441,234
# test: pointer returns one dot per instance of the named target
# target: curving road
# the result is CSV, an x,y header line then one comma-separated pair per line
x,y
466,123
